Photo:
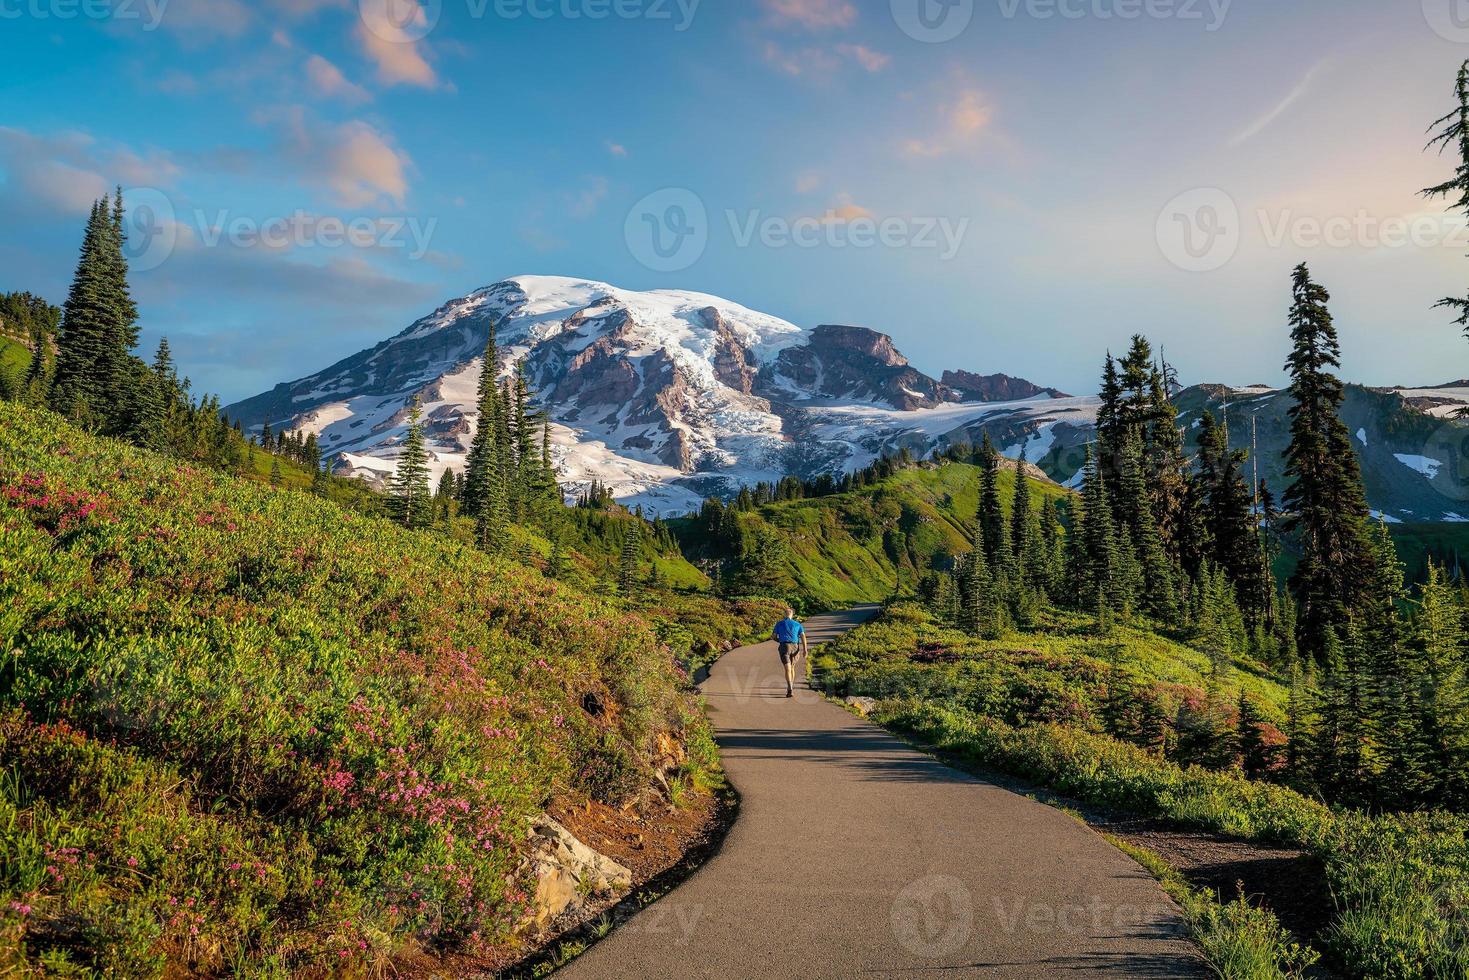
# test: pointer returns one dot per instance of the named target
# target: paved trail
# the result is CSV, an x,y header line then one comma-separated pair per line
x,y
854,856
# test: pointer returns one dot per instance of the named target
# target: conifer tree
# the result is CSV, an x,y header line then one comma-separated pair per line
x,y
78,390
479,485
1166,466
410,486
1454,135
1025,533
275,473
627,562
1157,590
993,535
1328,505
1441,754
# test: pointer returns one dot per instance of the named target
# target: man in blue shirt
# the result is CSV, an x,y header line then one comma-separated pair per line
x,y
791,636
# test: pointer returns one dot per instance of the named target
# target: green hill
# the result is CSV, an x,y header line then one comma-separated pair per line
x,y
858,546
247,731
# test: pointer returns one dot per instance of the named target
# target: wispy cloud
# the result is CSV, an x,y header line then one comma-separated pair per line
x,y
811,14
395,44
962,121
583,203
328,81
1295,95
358,163
844,210
616,149
819,62
869,59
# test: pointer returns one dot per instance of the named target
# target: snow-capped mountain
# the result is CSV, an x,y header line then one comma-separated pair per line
x,y
669,397
666,396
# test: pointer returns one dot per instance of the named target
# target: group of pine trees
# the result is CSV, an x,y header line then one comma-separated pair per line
x,y
509,476
1174,535
83,361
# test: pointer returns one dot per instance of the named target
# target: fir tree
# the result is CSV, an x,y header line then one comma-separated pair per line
x,y
480,486
993,536
410,487
275,473
627,562
1327,502
1453,134
86,325
1157,589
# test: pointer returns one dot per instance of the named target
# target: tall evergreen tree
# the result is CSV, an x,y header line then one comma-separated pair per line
x,y
480,485
1327,502
1157,590
993,534
410,488
1453,135
78,390
627,561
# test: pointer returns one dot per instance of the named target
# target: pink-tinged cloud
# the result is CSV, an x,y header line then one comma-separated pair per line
x,y
616,149
873,61
359,164
844,211
821,63
812,14
328,81
365,167
962,122
396,46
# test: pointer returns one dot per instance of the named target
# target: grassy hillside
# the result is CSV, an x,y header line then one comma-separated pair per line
x,y
863,545
1037,705
249,732
15,358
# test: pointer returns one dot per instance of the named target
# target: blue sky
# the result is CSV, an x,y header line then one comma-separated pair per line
x,y
1062,146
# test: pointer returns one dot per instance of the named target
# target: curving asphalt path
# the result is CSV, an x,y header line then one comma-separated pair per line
x,y
854,855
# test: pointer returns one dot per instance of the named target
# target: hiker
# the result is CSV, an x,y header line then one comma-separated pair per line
x,y
791,636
